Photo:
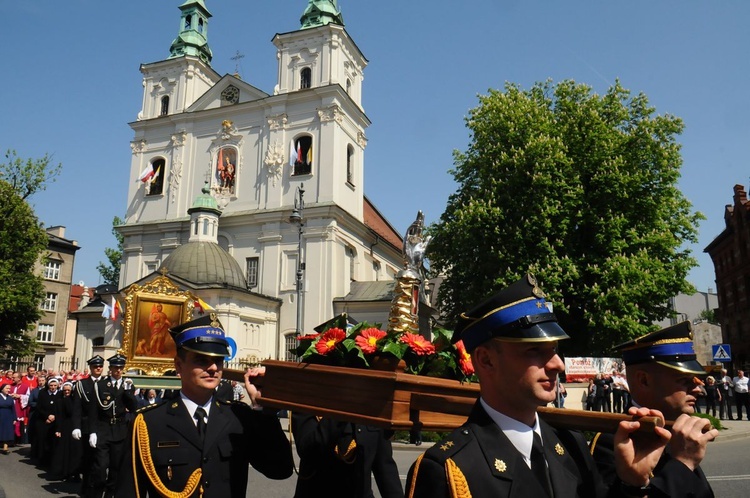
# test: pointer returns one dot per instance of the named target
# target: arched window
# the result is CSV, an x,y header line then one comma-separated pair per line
x,y
348,86
164,105
156,183
188,22
305,78
304,152
200,25
350,165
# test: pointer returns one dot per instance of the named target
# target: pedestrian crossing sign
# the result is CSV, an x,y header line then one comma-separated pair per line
x,y
722,352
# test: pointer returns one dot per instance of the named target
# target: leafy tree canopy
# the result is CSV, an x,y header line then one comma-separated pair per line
x,y
28,176
579,189
22,245
110,271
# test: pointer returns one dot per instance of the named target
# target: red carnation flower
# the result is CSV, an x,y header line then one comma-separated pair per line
x,y
367,339
464,359
329,339
418,344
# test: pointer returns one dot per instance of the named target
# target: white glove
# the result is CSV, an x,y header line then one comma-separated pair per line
x,y
76,434
92,440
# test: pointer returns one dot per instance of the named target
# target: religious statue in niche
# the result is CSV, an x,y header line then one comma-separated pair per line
x,y
226,167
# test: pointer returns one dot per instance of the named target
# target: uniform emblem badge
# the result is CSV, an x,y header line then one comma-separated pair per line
x,y
175,405
447,445
559,449
500,465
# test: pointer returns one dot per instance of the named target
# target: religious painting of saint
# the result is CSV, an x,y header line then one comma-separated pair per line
x,y
155,318
226,168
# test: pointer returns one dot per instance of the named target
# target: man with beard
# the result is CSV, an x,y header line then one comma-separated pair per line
x,y
661,373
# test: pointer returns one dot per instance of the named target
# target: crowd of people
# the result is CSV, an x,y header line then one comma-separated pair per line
x,y
51,413
608,393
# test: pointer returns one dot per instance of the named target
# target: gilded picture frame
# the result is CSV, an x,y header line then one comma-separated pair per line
x,y
150,310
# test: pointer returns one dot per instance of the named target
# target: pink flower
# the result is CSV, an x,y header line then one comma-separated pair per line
x,y
368,339
329,339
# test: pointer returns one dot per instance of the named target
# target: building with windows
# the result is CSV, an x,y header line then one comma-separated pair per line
x,y
56,269
729,253
219,165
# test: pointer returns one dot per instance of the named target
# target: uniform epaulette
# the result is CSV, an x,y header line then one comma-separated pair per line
x,y
445,449
149,407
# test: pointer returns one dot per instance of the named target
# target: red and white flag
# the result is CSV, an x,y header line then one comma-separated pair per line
x,y
116,310
146,174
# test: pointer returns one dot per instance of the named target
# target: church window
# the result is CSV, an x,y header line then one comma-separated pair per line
x,y
195,229
290,343
252,272
305,78
205,226
350,165
156,184
188,22
164,105
200,25
348,86
304,156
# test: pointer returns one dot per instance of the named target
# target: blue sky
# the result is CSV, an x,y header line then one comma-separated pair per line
x,y
71,84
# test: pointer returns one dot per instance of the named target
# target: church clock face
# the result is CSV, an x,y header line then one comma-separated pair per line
x,y
231,94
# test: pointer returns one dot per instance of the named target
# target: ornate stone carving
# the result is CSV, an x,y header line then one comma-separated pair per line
x,y
228,130
138,146
277,121
274,161
178,139
361,139
330,113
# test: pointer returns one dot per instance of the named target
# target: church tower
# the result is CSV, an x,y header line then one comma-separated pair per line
x,y
172,85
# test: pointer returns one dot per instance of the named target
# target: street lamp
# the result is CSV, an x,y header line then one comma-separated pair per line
x,y
296,218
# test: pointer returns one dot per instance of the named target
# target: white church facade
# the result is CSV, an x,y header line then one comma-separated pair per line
x,y
218,167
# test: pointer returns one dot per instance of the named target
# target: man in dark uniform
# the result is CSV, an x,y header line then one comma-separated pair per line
x,y
196,445
338,459
504,449
112,398
661,373
82,395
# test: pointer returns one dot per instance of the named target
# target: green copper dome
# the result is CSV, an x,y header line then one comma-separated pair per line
x,y
205,263
192,37
205,202
320,13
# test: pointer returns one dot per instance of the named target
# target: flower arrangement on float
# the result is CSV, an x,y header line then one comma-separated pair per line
x,y
365,345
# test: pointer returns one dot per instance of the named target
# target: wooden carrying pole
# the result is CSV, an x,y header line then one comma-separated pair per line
x,y
461,406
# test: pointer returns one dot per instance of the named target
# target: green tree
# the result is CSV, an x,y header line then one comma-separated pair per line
x,y
709,316
110,271
22,245
581,190
28,176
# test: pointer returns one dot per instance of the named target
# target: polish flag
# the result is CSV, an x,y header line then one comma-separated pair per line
x,y
146,174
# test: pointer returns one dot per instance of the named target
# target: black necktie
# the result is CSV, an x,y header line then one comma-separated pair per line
x,y
539,464
200,415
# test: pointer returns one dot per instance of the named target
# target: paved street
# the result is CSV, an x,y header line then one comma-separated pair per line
x,y
725,468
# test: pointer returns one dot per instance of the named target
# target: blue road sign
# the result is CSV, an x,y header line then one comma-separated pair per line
x,y
722,352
